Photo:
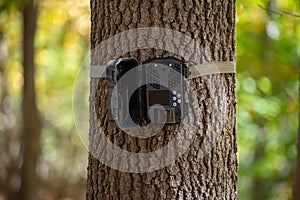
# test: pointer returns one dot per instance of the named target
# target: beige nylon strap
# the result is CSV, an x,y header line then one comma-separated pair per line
x,y
211,68
97,71
194,71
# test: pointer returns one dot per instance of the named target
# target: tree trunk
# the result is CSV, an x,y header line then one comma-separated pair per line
x,y
214,176
296,188
31,126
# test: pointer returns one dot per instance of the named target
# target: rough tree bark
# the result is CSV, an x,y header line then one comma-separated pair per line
x,y
31,126
296,187
212,177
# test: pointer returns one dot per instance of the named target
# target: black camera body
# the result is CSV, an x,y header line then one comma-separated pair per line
x,y
160,98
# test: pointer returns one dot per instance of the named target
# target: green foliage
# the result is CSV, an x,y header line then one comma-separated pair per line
x,y
268,58
61,45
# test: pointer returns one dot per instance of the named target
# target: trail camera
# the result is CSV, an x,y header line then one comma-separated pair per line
x,y
159,99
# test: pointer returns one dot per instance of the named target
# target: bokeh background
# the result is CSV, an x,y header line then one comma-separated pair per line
x,y
268,60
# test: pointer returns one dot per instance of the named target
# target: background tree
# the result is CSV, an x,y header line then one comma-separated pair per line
x,y
24,158
215,175
31,129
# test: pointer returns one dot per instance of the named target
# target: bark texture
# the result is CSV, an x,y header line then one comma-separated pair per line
x,y
31,126
296,188
212,23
